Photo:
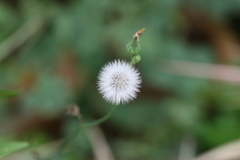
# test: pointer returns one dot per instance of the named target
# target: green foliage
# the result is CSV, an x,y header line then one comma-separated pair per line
x,y
57,65
10,147
4,94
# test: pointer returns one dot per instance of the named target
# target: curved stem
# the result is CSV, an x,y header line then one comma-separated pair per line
x,y
66,142
70,138
98,121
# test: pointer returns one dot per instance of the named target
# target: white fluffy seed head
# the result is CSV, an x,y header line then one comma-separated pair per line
x,y
119,82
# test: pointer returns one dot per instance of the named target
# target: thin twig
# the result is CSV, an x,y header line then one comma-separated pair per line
x,y
65,143
100,146
187,149
74,110
22,35
229,151
225,73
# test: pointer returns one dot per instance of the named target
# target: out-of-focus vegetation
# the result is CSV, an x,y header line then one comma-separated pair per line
x,y
52,50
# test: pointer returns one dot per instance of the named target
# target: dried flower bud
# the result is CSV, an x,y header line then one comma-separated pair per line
x,y
74,110
134,46
138,33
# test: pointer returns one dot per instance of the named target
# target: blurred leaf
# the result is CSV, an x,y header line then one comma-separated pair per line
x,y
48,97
221,130
167,107
4,94
10,147
8,20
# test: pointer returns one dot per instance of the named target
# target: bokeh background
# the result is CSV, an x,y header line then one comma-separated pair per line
x,y
51,52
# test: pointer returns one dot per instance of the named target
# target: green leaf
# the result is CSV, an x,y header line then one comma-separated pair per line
x,y
10,147
4,94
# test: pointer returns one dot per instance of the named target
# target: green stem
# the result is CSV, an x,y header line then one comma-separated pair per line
x,y
98,121
70,138
66,142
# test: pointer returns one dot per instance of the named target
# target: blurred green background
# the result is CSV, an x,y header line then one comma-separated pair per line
x,y
51,52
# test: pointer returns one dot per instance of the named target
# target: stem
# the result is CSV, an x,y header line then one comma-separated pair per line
x,y
98,121
66,142
71,137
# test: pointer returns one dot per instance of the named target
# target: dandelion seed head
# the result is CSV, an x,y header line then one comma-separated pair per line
x,y
119,82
